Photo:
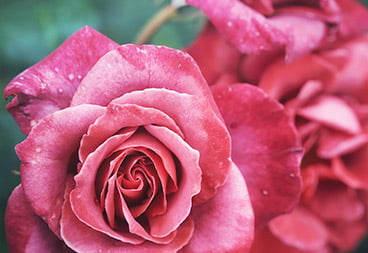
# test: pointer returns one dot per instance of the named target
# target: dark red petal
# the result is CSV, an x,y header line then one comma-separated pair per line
x,y
49,85
82,238
46,156
25,231
225,223
201,128
131,67
265,147
213,54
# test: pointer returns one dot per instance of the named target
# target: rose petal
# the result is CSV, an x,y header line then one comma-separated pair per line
x,y
47,156
281,79
49,85
201,128
224,223
265,148
25,231
132,67
265,241
82,238
178,206
213,54
246,29
300,229
335,202
324,111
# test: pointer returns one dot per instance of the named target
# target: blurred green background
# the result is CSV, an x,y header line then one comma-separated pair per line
x,y
30,30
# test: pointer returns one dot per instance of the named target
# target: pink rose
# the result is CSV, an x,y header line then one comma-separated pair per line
x,y
326,94
296,27
126,151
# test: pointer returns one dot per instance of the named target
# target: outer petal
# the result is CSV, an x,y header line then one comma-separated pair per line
x,y
47,157
265,148
132,67
224,223
25,231
49,85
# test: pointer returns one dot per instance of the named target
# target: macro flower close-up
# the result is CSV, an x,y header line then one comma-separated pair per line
x,y
187,126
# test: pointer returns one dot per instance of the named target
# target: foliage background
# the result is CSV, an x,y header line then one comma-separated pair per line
x,y
30,30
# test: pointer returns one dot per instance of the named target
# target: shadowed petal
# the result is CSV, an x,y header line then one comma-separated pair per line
x,y
25,231
265,147
224,223
47,156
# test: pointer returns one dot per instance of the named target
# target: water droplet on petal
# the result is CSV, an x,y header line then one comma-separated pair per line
x,y
292,175
56,69
79,76
60,90
43,86
21,78
71,77
179,65
38,150
33,123
264,192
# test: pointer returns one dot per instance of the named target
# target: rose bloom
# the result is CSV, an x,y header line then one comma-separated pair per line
x,y
294,26
326,94
126,151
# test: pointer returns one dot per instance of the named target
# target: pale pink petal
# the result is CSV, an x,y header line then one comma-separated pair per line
x,y
131,67
82,238
226,222
25,231
48,154
49,85
300,229
265,148
332,112
305,33
201,128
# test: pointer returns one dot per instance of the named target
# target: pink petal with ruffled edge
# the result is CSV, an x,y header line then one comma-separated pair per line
x,y
300,229
84,193
245,28
332,112
225,223
49,85
265,148
25,231
131,67
82,238
202,130
47,156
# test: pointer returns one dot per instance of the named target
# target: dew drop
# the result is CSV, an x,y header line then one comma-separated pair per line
x,y
60,90
292,175
21,78
179,65
71,77
33,123
79,76
56,69
38,150
43,86
264,192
